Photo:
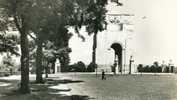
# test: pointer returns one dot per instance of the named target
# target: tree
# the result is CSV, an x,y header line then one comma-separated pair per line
x,y
48,18
96,22
8,40
62,54
38,26
78,67
92,14
140,68
9,43
81,66
117,1
50,21
20,12
65,13
8,63
91,67
61,48
156,64
32,56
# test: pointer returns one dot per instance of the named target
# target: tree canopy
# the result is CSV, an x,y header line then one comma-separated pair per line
x,y
49,20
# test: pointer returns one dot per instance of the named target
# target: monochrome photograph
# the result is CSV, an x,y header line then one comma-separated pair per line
x,y
88,50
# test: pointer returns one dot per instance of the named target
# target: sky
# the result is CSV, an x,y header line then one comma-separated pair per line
x,y
154,33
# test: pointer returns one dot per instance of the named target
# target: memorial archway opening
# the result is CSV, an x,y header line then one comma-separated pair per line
x,y
118,49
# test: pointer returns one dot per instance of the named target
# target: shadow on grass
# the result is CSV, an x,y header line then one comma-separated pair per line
x,y
63,81
53,85
44,94
41,91
8,81
56,88
80,97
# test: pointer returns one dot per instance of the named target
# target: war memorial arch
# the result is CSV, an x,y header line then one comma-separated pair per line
x,y
116,40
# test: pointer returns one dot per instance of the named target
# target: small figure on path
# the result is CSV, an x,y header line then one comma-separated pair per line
x,y
103,75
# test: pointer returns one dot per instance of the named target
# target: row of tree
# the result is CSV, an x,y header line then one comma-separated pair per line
x,y
80,67
47,22
155,68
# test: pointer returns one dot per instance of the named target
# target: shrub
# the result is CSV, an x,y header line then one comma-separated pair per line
x,y
140,68
80,67
148,68
159,69
152,68
77,67
91,67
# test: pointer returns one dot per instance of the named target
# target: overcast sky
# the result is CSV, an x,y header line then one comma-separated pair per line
x,y
155,32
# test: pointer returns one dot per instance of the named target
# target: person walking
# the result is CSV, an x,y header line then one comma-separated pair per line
x,y
103,75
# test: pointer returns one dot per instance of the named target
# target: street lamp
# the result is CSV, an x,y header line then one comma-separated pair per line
x,y
130,64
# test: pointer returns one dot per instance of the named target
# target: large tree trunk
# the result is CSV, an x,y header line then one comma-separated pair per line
x,y
53,67
94,50
46,70
24,64
39,67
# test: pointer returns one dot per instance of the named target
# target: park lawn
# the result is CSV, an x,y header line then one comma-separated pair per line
x,y
127,87
90,87
9,91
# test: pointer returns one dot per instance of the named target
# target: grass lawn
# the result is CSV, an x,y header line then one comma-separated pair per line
x,y
89,87
134,87
9,87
